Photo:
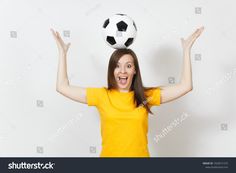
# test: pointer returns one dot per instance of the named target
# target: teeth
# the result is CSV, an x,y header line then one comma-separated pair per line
x,y
123,78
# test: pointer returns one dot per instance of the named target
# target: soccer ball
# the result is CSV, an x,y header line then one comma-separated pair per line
x,y
119,31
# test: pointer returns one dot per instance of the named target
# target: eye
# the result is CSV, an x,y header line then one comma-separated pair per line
x,y
129,65
117,66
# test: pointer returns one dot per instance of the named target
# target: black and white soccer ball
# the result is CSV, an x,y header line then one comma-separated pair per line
x,y
119,31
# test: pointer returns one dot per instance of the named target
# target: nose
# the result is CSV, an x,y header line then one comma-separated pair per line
x,y
122,70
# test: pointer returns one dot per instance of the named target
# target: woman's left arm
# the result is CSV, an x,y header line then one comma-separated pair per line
x,y
169,93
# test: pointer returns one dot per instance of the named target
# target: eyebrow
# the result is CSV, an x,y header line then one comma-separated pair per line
x,y
126,62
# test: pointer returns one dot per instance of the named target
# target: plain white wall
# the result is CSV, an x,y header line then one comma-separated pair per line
x,y
35,120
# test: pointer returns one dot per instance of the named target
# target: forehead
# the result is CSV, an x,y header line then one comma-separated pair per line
x,y
126,58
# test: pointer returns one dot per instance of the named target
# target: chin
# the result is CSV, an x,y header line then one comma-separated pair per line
x,y
124,87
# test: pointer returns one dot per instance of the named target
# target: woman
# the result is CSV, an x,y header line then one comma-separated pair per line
x,y
124,105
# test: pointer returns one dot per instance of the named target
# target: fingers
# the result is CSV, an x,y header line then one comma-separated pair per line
x,y
192,38
57,36
60,43
199,30
53,33
197,33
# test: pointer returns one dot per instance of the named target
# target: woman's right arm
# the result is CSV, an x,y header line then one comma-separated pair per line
x,y
75,93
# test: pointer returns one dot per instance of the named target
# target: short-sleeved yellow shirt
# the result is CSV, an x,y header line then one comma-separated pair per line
x,y
124,126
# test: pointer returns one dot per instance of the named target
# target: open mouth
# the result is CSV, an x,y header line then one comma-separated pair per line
x,y
122,80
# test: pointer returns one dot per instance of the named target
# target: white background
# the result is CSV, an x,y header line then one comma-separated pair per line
x,y
35,120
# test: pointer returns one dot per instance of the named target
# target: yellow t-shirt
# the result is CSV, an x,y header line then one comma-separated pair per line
x,y
124,126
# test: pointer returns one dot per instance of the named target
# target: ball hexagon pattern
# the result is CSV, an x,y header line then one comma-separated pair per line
x,y
119,31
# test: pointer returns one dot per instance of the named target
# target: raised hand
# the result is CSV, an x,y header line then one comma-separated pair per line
x,y
61,45
187,44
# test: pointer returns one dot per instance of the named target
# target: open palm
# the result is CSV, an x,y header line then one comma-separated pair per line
x,y
187,44
61,45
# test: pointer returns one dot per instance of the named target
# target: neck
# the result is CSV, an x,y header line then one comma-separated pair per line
x,y
123,91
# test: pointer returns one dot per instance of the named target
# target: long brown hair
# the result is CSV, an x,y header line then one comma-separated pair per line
x,y
136,86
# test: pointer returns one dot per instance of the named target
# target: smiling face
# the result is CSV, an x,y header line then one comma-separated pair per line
x,y
124,72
